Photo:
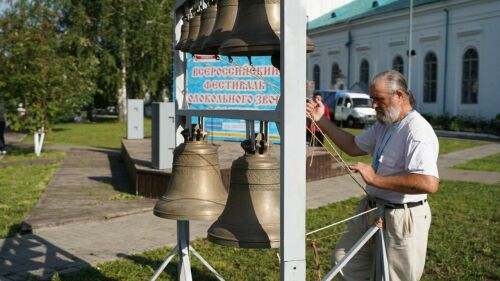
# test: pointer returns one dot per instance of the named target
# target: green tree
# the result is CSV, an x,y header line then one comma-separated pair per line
x,y
40,66
133,43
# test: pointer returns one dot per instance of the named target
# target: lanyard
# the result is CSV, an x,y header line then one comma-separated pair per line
x,y
380,150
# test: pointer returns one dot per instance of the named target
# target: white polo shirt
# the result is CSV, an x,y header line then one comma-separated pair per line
x,y
410,147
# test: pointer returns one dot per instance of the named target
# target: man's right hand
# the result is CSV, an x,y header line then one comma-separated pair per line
x,y
314,109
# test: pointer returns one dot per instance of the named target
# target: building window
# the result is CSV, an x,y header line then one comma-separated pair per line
x,y
398,64
364,72
335,73
316,75
430,77
470,82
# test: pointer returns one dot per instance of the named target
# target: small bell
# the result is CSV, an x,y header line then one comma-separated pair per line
x,y
195,190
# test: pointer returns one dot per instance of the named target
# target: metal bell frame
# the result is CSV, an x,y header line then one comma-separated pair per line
x,y
290,118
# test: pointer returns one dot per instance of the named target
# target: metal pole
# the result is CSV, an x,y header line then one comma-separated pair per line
x,y
167,260
183,244
410,43
293,140
206,264
350,254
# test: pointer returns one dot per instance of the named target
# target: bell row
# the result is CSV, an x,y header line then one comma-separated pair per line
x,y
233,28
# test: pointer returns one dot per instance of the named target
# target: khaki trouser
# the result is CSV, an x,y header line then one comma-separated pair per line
x,y
405,234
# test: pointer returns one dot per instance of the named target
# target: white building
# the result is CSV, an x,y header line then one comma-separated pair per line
x,y
456,44
316,8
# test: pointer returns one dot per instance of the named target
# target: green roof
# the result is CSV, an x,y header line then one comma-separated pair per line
x,y
363,8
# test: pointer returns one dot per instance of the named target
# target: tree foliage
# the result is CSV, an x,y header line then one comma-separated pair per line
x,y
40,66
60,56
133,34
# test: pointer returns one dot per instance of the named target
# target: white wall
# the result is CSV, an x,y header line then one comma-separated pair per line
x,y
472,23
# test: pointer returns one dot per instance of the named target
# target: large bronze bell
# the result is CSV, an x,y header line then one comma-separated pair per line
x,y
194,29
207,24
184,33
224,23
251,218
262,36
195,190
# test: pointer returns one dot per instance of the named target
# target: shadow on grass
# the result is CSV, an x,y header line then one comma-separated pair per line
x,y
172,268
58,129
15,229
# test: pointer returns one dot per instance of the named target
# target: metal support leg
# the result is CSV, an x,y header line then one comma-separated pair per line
x,y
184,249
381,270
355,249
381,249
183,243
169,257
207,265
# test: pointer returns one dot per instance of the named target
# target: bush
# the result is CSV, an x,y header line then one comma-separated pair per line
x,y
462,123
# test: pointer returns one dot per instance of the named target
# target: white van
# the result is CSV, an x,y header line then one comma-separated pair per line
x,y
353,109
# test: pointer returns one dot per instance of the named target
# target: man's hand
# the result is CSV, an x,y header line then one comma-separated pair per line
x,y
315,110
366,171
407,184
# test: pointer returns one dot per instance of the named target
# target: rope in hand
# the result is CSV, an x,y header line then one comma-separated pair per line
x,y
340,159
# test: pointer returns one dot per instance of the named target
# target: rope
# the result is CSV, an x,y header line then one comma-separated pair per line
x,y
312,143
342,162
339,222
316,259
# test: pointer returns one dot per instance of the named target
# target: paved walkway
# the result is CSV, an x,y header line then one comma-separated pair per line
x,y
447,161
91,184
73,246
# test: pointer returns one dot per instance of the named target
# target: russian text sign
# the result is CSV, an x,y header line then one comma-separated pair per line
x,y
216,83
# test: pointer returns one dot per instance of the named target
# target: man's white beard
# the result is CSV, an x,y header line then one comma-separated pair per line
x,y
390,115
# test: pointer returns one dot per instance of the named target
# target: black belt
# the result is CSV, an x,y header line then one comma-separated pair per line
x,y
389,205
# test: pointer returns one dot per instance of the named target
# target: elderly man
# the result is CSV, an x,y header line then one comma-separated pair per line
x,y
404,170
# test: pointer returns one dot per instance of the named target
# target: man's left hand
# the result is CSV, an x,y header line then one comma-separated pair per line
x,y
366,171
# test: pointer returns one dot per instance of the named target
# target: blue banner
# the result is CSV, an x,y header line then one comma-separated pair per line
x,y
218,83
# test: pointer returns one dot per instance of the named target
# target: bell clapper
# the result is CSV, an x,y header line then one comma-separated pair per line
x,y
250,62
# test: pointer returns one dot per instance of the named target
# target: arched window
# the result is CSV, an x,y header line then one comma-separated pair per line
x,y
316,76
470,82
335,73
398,64
364,72
430,77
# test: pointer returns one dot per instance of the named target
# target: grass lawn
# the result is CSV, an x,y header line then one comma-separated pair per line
x,y
490,164
22,184
20,188
103,133
463,244
448,145
27,154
